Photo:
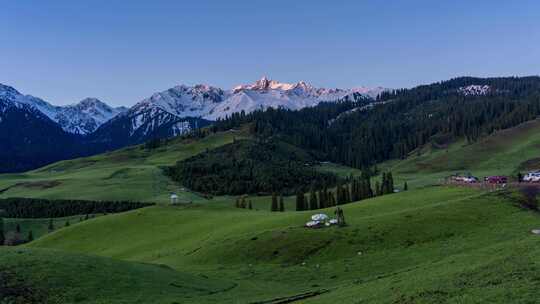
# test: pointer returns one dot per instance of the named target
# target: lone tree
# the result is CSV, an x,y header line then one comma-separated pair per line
x,y
250,205
18,228
51,225
529,197
313,202
281,204
30,236
2,236
274,206
300,204
67,223
405,187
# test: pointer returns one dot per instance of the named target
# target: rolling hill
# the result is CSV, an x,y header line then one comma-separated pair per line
x,y
505,152
132,173
432,245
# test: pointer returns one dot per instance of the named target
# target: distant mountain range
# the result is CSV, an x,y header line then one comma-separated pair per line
x,y
80,118
35,132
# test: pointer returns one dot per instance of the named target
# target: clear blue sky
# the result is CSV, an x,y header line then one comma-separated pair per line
x,y
123,51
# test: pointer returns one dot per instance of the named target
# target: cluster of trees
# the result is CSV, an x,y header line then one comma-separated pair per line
x,y
16,237
155,143
399,121
2,235
250,167
44,208
242,203
277,205
355,189
13,238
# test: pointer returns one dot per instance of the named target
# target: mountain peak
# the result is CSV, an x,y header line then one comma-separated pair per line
x,y
8,91
265,84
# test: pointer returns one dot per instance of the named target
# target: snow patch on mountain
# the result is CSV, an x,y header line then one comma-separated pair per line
x,y
474,90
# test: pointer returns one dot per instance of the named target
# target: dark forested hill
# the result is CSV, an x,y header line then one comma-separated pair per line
x,y
402,120
30,139
247,166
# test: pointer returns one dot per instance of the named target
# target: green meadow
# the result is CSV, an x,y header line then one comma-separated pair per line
x,y
431,244
437,244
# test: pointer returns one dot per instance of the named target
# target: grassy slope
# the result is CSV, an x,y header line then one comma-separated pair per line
x,y
423,246
503,153
128,174
39,226
51,276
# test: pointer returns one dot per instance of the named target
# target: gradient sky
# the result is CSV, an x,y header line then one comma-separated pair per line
x,y
123,51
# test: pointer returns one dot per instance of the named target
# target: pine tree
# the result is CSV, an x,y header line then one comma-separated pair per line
x,y
18,228
322,203
347,194
274,207
356,193
405,187
67,224
51,225
339,194
369,190
331,198
390,182
281,204
30,236
300,201
384,183
250,206
2,236
324,198
313,204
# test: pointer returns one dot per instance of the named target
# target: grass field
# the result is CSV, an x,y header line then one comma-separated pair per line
x,y
129,174
503,153
431,245
39,226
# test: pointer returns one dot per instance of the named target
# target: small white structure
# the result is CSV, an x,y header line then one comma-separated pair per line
x,y
174,199
321,217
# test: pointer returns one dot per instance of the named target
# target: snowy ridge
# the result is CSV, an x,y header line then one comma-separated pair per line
x,y
212,103
181,108
81,118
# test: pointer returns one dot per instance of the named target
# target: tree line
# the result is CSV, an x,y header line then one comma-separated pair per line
x,y
45,208
355,189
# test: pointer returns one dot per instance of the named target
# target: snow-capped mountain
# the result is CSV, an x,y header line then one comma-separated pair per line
x,y
213,103
202,103
34,132
81,118
86,116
